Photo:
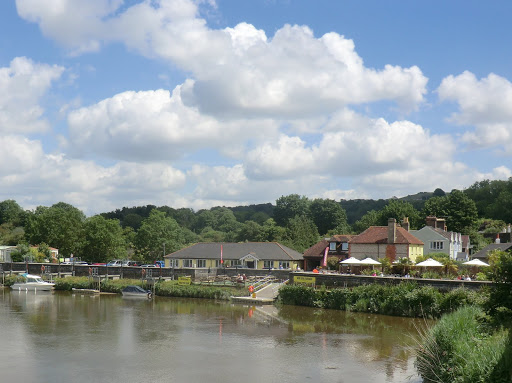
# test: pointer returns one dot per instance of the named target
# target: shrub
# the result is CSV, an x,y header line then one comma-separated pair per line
x,y
458,348
173,289
298,295
12,279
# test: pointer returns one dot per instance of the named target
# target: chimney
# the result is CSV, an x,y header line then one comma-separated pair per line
x,y
391,230
431,221
497,238
405,223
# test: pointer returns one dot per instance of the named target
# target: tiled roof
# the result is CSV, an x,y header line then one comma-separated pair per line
x,y
484,253
261,250
317,250
379,234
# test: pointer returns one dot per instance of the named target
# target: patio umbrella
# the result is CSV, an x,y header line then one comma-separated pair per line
x,y
370,261
475,262
430,263
351,261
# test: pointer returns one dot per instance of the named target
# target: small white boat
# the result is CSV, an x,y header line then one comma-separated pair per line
x,y
136,291
32,283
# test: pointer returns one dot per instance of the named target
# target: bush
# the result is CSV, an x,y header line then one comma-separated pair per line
x,y
458,348
298,295
405,299
173,289
67,284
12,279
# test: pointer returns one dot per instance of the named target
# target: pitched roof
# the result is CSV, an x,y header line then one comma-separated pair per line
x,y
484,253
379,234
317,250
234,251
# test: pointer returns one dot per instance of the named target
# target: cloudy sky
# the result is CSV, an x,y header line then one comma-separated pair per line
x,y
200,103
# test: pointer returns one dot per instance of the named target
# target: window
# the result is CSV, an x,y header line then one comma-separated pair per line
x,y
344,246
187,263
268,264
332,246
173,263
236,263
437,245
201,263
217,263
284,265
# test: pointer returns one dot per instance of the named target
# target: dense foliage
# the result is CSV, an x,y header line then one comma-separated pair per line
x,y
460,348
298,222
406,299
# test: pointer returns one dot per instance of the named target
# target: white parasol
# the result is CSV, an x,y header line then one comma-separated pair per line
x,y
430,263
351,261
475,262
370,261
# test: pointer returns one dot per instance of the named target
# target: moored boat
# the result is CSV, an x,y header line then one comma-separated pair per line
x,y
32,283
136,291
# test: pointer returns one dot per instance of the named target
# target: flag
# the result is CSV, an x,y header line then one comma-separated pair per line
x,y
324,263
221,260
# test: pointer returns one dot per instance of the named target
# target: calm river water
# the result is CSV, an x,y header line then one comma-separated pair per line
x,y
64,337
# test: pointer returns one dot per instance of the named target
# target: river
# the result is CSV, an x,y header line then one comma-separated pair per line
x,y
64,337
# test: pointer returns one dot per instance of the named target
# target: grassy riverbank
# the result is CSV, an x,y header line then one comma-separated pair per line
x,y
464,347
406,299
164,288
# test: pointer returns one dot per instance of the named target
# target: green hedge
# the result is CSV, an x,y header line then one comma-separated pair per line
x,y
406,299
173,289
168,288
460,348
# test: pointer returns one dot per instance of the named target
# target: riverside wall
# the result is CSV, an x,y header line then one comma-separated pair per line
x,y
346,280
133,272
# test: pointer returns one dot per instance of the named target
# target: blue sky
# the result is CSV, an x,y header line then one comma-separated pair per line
x,y
111,103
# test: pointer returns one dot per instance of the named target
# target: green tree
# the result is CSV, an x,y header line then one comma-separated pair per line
x,y
104,240
371,218
435,206
462,212
500,299
11,235
399,209
289,206
11,212
155,231
272,232
327,214
60,226
301,233
250,231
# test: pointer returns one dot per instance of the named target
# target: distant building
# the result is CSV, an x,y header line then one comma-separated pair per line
x,y
438,240
335,246
483,254
390,242
5,253
250,255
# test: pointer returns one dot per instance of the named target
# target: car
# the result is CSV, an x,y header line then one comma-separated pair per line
x,y
149,265
76,263
115,262
160,263
131,263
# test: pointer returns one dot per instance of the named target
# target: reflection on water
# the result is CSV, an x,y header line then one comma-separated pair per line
x,y
85,338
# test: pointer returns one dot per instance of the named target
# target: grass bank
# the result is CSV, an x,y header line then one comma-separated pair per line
x,y
462,348
167,288
406,299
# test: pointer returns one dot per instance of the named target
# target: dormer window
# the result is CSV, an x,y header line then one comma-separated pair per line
x,y
332,246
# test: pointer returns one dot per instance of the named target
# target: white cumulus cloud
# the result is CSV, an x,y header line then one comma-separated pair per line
x,y
484,104
22,86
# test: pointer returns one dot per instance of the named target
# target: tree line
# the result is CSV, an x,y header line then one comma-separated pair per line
x,y
145,233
